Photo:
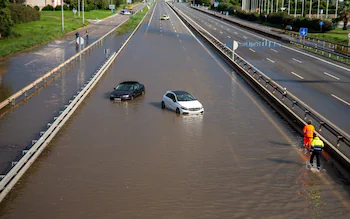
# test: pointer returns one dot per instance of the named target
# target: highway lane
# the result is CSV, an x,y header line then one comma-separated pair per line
x,y
135,160
321,85
20,126
19,70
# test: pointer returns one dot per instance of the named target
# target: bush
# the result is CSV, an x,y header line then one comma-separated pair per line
x,y
36,8
58,8
22,14
5,22
47,8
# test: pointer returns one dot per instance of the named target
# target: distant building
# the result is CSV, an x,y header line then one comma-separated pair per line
x,y
43,3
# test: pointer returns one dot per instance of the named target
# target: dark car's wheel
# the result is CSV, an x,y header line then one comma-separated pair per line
x,y
132,97
163,105
143,92
177,111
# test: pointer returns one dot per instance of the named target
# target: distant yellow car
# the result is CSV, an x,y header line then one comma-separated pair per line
x,y
130,7
165,17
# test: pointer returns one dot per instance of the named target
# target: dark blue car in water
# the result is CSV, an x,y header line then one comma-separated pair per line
x,y
127,90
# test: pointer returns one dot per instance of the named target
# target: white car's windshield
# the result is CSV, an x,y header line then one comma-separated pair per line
x,y
185,97
124,87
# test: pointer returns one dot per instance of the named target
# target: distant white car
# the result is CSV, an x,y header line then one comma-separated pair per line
x,y
125,12
181,102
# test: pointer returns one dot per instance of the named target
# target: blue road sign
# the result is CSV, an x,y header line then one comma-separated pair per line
x,y
303,31
321,23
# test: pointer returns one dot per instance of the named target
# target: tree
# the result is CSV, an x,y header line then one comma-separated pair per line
x,y
344,15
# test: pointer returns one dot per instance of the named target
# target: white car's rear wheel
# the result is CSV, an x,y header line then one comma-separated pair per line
x,y
163,105
177,111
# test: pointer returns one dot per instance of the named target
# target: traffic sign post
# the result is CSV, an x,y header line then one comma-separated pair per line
x,y
74,11
303,33
349,41
112,7
321,24
234,47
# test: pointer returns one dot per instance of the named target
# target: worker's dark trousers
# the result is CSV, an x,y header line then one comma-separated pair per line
x,y
318,156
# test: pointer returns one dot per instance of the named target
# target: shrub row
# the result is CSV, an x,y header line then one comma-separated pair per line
x,y
22,13
13,14
279,19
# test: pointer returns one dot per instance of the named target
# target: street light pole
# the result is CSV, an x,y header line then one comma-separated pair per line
x,y
310,8
289,7
336,9
327,9
62,17
83,10
78,8
318,9
295,8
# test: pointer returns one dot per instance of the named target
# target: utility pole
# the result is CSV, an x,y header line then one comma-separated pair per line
x,y
318,9
295,8
327,9
62,17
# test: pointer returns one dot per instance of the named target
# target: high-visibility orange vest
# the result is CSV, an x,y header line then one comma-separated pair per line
x,y
309,131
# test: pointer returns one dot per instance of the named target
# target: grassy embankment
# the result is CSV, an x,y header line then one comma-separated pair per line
x,y
49,27
132,22
337,36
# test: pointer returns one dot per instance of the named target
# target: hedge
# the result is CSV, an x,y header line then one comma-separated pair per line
x,y
280,19
5,22
22,13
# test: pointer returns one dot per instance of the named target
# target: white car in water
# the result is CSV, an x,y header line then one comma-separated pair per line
x,y
181,102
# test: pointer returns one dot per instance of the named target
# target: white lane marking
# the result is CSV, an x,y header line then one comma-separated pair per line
x,y
31,61
236,33
221,32
180,40
244,37
221,26
149,22
274,50
228,37
297,60
286,47
175,31
214,28
209,25
73,41
270,60
332,76
297,75
54,50
92,31
174,28
338,98
251,49
177,35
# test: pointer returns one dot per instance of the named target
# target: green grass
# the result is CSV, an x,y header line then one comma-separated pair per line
x,y
48,28
337,36
132,22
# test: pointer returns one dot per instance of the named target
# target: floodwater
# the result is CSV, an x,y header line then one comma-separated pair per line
x,y
135,160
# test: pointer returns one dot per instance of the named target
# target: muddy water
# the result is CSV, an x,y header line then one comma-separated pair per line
x,y
135,160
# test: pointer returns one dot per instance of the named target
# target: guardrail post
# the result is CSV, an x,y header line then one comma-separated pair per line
x,y
266,83
14,163
34,141
13,102
320,128
294,103
48,125
338,141
306,113
284,94
24,152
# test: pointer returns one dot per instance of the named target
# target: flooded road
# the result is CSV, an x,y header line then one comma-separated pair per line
x,y
19,70
20,126
135,160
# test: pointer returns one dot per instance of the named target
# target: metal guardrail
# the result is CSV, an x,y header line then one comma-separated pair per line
x,y
337,140
24,91
8,181
262,31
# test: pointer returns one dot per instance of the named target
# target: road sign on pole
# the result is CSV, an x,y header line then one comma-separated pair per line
x,y
303,32
234,47
216,4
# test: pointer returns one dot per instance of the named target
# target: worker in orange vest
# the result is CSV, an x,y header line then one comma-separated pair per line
x,y
308,130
